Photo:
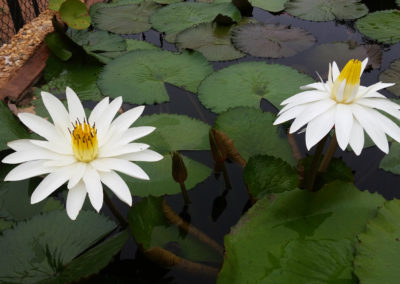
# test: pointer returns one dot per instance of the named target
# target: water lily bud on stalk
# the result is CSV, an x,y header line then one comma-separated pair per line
x,y
218,149
341,102
85,152
179,173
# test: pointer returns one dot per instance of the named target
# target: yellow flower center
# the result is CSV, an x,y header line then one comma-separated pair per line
x,y
84,141
345,87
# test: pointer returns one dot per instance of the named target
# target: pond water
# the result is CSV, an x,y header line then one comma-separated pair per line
x,y
214,209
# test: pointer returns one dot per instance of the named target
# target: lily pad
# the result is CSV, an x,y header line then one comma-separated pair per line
x,y
247,83
392,75
269,5
177,17
122,18
10,127
326,10
268,40
299,237
253,133
139,76
381,26
75,14
211,40
266,175
151,229
377,255
55,4
34,250
56,44
391,161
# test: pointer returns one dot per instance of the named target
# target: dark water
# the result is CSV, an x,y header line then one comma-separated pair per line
x,y
134,268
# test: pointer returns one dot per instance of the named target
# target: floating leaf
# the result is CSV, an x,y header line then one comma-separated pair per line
x,y
35,250
10,127
247,83
4,225
266,175
123,18
270,5
139,76
326,10
134,44
392,75
177,17
55,4
377,255
75,14
210,39
299,237
391,161
253,133
57,46
381,26
267,40
150,228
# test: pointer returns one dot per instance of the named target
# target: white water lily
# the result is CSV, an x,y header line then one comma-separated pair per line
x,y
342,103
85,152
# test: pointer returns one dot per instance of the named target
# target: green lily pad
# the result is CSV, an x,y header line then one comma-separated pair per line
x,y
134,44
253,133
381,26
211,40
392,75
247,83
391,161
150,228
316,59
178,17
269,5
299,237
265,175
139,76
41,247
267,40
377,255
4,225
123,18
75,14
55,4
326,10
10,127
57,46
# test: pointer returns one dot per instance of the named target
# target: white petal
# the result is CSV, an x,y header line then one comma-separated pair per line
x,y
388,126
94,188
382,104
343,124
98,110
27,170
123,166
76,174
75,200
42,127
317,86
143,156
61,148
57,111
135,133
49,184
357,138
114,182
125,149
125,120
290,114
103,122
319,127
37,153
371,91
310,112
335,71
300,96
65,161
371,126
363,65
308,97
75,106
21,145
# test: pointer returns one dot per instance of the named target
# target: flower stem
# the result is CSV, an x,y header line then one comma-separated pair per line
x,y
184,193
312,173
328,155
115,211
228,184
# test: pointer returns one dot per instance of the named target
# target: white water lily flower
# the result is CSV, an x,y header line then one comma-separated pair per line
x,y
85,152
342,103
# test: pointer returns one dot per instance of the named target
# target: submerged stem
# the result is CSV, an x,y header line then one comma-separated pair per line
x,y
328,155
115,211
184,193
312,173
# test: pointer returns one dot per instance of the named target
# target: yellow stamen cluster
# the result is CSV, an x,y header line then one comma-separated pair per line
x,y
84,141
346,85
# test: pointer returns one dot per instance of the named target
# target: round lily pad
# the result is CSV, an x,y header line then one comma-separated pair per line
x,y
253,134
378,254
382,26
267,40
270,5
299,237
180,16
210,39
139,76
391,161
123,18
247,83
75,14
326,10
392,75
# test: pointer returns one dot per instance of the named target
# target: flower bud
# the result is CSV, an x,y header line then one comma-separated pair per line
x,y
179,172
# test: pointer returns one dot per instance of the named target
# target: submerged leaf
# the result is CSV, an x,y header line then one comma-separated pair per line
x,y
267,40
326,10
139,76
392,75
